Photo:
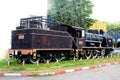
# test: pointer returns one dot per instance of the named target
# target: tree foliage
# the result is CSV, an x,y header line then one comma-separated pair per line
x,y
114,27
71,12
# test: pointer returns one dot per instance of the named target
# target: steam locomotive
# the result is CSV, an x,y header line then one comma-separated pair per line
x,y
35,42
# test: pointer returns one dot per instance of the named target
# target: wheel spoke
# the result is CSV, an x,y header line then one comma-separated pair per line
x,y
58,57
47,60
34,61
79,56
103,53
88,54
95,54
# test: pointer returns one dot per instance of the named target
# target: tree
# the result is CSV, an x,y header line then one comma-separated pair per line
x,y
114,27
71,12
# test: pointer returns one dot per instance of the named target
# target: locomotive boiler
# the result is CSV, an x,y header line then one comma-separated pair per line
x,y
34,41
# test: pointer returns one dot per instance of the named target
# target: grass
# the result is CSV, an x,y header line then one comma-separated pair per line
x,y
53,66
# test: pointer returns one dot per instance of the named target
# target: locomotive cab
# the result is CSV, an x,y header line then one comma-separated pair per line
x,y
78,35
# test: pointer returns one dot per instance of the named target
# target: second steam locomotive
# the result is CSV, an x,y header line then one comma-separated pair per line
x,y
33,41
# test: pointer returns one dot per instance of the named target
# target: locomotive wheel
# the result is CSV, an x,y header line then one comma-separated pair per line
x,y
88,54
58,57
94,54
34,61
48,58
19,61
107,53
67,56
103,53
79,56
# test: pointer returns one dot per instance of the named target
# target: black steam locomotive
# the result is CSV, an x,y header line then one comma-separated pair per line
x,y
34,41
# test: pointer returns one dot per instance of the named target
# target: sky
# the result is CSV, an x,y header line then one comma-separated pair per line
x,y
106,10
12,10
10,13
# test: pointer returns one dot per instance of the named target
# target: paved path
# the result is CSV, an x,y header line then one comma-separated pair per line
x,y
104,73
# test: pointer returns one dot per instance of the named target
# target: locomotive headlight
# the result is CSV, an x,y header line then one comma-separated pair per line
x,y
109,40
